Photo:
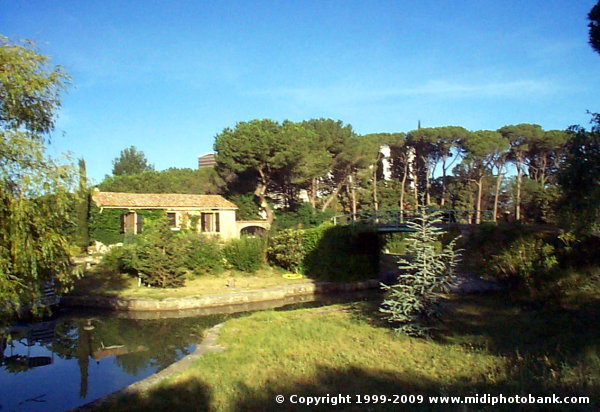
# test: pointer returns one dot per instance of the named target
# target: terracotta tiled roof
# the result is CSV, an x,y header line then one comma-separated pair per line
x,y
160,200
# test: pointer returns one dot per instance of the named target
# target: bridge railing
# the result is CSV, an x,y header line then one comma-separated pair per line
x,y
398,217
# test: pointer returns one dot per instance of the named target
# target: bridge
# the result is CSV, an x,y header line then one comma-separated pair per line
x,y
396,220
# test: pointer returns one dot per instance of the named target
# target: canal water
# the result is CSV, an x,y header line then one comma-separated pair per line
x,y
78,356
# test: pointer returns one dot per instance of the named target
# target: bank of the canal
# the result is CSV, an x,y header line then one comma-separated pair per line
x,y
208,344
272,294
92,338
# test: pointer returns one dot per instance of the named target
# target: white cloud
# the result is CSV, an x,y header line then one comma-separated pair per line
x,y
353,93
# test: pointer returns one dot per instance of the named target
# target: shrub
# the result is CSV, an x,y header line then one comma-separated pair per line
x,y
159,256
286,250
341,253
119,259
395,243
488,239
527,264
202,254
301,216
577,250
246,254
247,207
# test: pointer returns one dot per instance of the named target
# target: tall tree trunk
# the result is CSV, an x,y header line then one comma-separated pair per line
x,y
543,166
518,197
443,200
402,189
427,187
353,194
334,194
411,160
375,201
416,191
83,208
497,194
260,192
478,204
445,168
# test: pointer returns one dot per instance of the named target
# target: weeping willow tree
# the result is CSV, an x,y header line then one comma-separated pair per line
x,y
34,189
414,302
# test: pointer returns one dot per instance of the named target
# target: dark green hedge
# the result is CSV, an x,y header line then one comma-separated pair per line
x,y
341,253
105,227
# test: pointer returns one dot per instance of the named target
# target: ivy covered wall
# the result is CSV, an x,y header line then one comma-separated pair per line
x,y
105,226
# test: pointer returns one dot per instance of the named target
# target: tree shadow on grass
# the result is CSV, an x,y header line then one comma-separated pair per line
x,y
503,326
546,348
98,282
368,385
186,395
356,389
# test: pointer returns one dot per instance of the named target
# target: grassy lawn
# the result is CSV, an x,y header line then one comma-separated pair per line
x,y
489,344
98,283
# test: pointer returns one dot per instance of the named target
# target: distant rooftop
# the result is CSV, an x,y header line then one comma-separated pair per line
x,y
206,160
160,200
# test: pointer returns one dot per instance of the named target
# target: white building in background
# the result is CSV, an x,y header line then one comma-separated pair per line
x,y
412,166
386,161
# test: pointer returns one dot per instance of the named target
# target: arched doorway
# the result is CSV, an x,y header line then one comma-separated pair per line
x,y
253,231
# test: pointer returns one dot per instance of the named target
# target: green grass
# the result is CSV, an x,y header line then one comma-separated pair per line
x,y
487,345
105,283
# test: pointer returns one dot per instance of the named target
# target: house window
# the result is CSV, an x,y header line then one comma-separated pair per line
x,y
172,217
131,223
209,222
138,223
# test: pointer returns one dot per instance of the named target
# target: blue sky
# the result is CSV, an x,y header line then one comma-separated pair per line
x,y
167,76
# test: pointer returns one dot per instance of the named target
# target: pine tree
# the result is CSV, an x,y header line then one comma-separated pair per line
x,y
425,276
83,208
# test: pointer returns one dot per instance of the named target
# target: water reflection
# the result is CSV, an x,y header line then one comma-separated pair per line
x,y
81,355
41,363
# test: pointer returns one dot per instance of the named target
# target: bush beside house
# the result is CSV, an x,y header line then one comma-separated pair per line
x,y
340,253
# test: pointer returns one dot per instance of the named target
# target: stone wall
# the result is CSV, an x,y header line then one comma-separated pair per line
x,y
208,301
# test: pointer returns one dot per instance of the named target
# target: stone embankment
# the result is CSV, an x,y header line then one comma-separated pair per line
x,y
211,301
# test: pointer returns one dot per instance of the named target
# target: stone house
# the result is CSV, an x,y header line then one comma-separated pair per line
x,y
211,214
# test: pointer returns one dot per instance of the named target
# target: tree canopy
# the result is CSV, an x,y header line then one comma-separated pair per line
x,y
173,180
482,148
34,189
594,25
579,177
130,161
264,147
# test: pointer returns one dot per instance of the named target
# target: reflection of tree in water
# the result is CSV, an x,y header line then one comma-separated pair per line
x,y
157,343
39,334
135,344
65,339
16,363
84,348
